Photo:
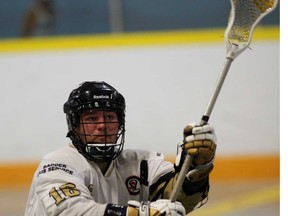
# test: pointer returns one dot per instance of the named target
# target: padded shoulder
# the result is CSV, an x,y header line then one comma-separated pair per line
x,y
137,154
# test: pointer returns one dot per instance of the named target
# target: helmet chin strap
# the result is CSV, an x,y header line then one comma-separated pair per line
x,y
102,151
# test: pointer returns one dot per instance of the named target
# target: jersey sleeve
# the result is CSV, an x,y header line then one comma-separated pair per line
x,y
59,189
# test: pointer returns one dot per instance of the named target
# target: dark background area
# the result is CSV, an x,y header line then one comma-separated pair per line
x,y
90,17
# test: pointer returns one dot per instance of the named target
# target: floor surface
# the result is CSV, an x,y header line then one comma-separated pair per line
x,y
225,199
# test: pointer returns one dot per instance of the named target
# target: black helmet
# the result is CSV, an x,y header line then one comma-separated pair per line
x,y
95,96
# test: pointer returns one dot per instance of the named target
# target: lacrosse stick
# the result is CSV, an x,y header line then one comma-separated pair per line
x,y
243,18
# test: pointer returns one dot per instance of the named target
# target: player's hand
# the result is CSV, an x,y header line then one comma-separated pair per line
x,y
162,207
200,143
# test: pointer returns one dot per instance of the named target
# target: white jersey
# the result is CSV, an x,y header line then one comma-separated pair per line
x,y
65,183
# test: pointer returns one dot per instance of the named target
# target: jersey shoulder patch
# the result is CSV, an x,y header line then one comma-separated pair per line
x,y
66,159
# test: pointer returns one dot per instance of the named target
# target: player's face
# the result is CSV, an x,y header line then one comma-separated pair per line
x,y
98,126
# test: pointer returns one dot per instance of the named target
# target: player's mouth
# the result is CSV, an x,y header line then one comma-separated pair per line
x,y
103,139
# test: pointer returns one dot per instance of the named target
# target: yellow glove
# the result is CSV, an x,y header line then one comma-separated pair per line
x,y
200,143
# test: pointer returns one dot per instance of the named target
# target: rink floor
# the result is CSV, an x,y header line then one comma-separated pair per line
x,y
257,198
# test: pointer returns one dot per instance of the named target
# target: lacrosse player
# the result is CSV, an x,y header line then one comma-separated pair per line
x,y
94,175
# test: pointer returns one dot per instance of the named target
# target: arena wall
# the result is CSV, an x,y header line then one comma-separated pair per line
x,y
166,78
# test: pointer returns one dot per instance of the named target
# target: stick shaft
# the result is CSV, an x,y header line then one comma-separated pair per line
x,y
216,92
180,179
188,159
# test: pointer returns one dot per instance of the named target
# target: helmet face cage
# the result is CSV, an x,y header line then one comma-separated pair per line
x,y
111,143
101,98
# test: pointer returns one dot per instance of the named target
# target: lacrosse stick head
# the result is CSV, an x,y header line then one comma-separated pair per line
x,y
243,18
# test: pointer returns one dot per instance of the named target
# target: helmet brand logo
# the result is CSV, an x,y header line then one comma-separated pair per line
x,y
100,97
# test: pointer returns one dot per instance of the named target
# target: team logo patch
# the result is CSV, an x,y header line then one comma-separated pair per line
x,y
133,185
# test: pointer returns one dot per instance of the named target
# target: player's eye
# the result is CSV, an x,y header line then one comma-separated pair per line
x,y
89,119
111,117
92,119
